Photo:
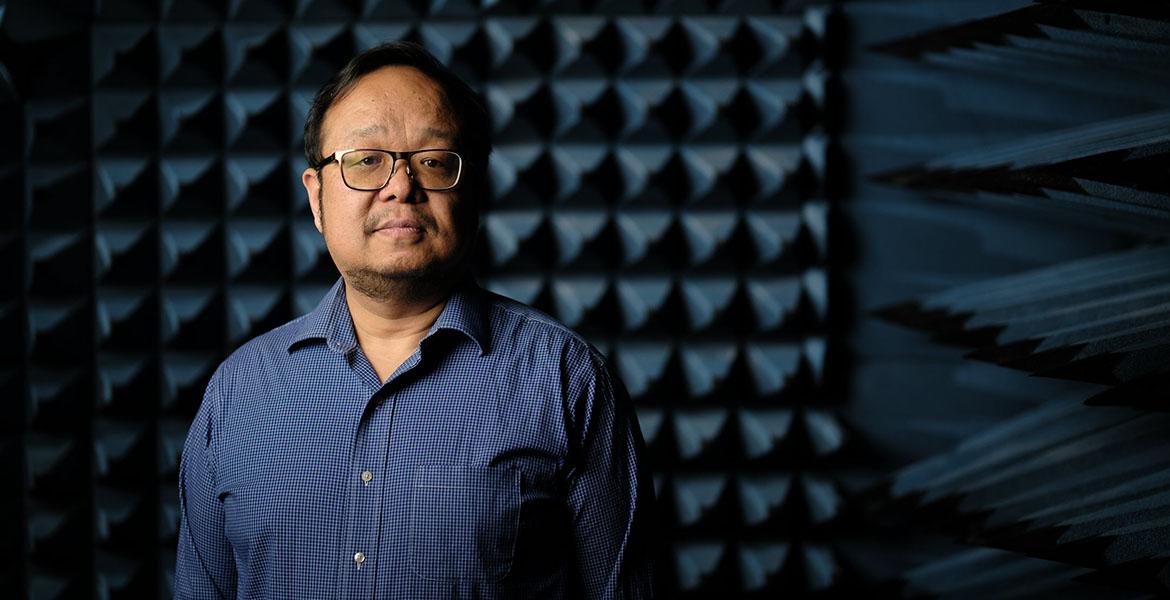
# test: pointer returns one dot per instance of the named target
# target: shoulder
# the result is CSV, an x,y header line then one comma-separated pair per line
x,y
523,330
258,355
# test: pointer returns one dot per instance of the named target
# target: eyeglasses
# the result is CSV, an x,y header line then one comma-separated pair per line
x,y
369,169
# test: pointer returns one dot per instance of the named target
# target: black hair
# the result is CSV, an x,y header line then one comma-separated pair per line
x,y
474,123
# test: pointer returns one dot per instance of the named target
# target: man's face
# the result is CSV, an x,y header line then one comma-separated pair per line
x,y
400,232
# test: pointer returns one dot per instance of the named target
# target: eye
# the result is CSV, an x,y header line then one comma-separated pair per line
x,y
433,163
370,160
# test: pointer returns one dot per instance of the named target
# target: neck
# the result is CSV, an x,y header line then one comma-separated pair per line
x,y
396,319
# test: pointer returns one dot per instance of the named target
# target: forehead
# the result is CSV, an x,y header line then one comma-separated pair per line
x,y
394,104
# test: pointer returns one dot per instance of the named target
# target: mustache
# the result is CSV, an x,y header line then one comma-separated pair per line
x,y
414,219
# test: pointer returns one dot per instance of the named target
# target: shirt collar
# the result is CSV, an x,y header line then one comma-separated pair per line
x,y
331,321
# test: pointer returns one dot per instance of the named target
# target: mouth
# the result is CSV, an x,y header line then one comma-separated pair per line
x,y
400,228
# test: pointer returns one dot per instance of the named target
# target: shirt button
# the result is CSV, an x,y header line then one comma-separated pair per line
x,y
367,476
359,558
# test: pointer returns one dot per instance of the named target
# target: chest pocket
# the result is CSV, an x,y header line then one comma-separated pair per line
x,y
463,521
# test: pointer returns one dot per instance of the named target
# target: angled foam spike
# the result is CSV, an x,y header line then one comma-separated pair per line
x,y
309,250
771,40
172,433
688,45
689,175
772,232
252,182
523,289
764,105
491,46
623,174
696,562
764,170
815,218
687,111
706,365
639,230
118,371
255,53
696,430
501,176
373,32
118,181
128,242
821,497
816,289
49,325
552,109
180,307
820,566
624,43
46,455
813,355
762,430
814,150
113,442
306,297
696,496
650,422
185,371
183,241
124,121
442,38
579,158
247,239
773,300
48,529
824,431
705,299
50,391
54,202
249,306
56,260
112,509
619,110
706,232
815,81
124,54
760,563
642,364
189,54
506,231
191,186
573,230
761,496
319,50
115,307
51,129
555,43
573,297
501,106
772,365
816,20
639,298
555,174
257,120
190,119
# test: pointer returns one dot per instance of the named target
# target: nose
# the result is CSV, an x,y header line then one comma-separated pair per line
x,y
401,184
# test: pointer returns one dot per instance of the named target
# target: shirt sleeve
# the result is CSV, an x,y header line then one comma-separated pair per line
x,y
611,494
204,564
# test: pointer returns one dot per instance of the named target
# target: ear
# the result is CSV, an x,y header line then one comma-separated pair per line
x,y
310,178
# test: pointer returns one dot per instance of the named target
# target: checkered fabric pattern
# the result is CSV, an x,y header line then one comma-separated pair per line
x,y
502,459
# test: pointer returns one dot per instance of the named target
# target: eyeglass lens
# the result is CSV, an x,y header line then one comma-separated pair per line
x,y
371,169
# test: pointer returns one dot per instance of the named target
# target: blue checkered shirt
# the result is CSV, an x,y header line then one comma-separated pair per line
x,y
501,460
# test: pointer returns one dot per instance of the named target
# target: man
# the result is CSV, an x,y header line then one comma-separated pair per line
x,y
414,436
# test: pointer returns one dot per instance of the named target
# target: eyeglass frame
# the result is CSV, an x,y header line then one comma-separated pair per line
x,y
395,156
